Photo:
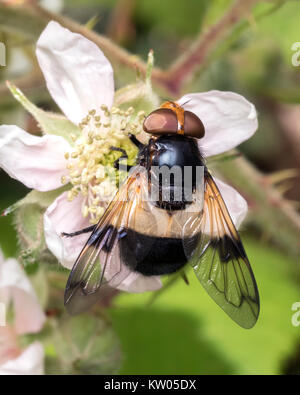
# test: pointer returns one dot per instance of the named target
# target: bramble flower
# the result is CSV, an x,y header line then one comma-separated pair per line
x,y
80,80
28,317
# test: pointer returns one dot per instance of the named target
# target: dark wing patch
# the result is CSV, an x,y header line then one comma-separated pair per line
x,y
220,261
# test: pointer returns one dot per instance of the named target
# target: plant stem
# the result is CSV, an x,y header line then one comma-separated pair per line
x,y
194,58
182,70
270,210
110,49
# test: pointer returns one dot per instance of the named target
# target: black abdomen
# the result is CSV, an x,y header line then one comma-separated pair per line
x,y
150,255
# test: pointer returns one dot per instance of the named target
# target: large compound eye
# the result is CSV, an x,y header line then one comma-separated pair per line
x,y
161,121
193,126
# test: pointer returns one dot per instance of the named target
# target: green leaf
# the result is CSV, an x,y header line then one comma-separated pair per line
x,y
185,332
282,29
43,199
28,220
49,122
83,344
41,286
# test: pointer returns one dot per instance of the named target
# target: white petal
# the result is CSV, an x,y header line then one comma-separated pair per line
x,y
137,283
228,118
236,204
38,162
30,362
78,75
14,285
64,216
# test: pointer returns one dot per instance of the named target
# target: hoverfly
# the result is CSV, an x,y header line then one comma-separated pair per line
x,y
162,236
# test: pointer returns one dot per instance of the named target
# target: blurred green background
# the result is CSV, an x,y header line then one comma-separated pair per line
x,y
183,331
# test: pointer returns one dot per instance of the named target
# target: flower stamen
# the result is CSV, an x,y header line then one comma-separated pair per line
x,y
90,164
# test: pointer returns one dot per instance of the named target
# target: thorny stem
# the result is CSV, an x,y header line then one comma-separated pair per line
x,y
120,26
195,57
110,49
288,118
270,210
182,70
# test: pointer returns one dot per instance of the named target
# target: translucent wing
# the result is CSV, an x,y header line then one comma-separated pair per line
x,y
220,261
100,261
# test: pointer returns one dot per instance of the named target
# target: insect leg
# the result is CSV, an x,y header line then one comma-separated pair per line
x,y
79,232
124,156
117,164
136,142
